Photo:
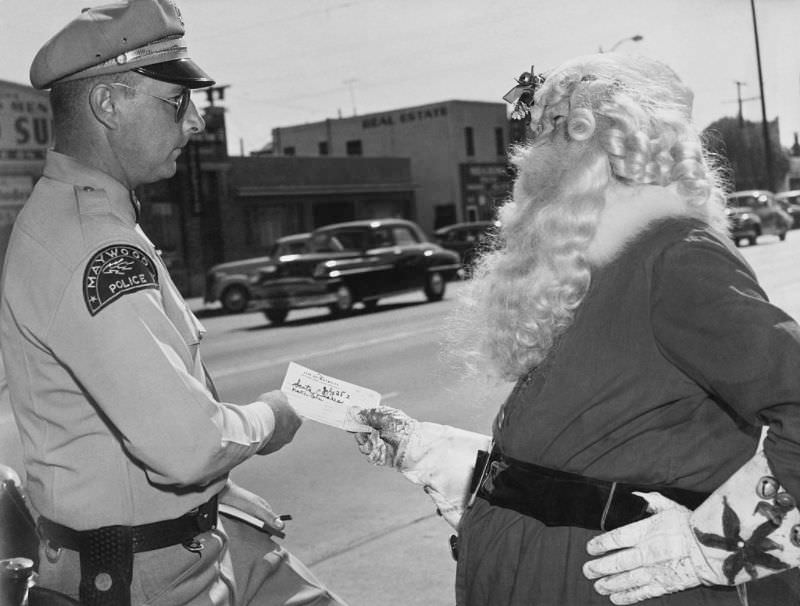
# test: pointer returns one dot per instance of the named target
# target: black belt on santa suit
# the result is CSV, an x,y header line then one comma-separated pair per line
x,y
560,498
106,554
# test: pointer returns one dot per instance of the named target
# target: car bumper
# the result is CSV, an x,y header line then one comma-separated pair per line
x,y
294,296
451,271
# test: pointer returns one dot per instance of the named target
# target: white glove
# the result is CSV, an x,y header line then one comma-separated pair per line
x,y
438,457
659,555
748,528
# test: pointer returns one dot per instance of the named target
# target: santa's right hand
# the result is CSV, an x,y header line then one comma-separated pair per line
x,y
391,431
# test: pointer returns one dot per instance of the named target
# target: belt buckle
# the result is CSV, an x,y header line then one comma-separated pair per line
x,y
206,518
495,469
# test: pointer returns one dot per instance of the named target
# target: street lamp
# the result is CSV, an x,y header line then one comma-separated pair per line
x,y
635,38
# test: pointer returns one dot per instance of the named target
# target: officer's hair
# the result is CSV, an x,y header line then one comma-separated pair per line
x,y
69,100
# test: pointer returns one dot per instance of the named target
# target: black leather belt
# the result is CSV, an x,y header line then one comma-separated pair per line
x,y
106,554
145,537
559,498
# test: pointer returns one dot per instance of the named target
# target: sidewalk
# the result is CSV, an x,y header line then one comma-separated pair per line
x,y
411,566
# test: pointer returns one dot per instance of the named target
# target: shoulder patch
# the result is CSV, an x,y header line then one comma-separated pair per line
x,y
114,271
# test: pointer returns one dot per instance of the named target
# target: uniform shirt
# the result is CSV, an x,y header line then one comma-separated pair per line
x,y
107,386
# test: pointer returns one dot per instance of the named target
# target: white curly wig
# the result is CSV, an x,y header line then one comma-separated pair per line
x,y
599,121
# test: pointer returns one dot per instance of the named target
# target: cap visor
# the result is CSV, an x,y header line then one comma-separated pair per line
x,y
178,71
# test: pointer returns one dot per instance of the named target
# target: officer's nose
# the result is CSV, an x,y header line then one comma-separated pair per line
x,y
193,121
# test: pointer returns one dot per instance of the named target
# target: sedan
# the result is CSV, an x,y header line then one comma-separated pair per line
x,y
790,202
229,283
754,213
467,239
354,262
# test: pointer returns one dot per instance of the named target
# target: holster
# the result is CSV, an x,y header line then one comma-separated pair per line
x,y
106,557
106,554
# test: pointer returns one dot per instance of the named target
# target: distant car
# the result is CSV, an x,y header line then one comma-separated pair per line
x,y
229,283
356,261
465,238
790,202
756,212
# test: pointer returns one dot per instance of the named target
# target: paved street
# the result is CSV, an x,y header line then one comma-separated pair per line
x,y
365,530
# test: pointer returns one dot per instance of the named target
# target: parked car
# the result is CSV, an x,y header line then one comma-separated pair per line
x,y
465,239
790,202
755,213
356,261
230,283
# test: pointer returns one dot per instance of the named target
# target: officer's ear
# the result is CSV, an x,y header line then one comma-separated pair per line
x,y
104,104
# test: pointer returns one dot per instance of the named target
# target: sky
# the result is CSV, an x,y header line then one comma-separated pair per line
x,y
288,62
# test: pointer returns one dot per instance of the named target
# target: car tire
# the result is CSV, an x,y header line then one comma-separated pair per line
x,y
276,316
234,299
782,236
371,305
344,301
434,286
752,240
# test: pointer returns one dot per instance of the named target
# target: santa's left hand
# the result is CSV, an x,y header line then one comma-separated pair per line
x,y
651,557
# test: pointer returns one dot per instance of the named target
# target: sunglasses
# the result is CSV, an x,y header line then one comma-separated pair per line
x,y
180,101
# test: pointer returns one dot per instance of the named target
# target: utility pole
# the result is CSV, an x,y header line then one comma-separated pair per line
x,y
764,124
349,84
739,86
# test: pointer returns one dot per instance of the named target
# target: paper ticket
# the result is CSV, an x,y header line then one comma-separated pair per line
x,y
327,400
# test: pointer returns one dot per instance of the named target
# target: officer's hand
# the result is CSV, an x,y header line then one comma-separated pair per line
x,y
287,421
242,499
392,427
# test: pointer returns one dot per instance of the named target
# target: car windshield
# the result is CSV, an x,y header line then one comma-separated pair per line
x,y
759,201
289,247
325,243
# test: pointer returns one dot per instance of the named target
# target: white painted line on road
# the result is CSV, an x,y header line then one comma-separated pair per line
x,y
389,395
228,372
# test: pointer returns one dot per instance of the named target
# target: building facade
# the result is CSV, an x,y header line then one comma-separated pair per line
x,y
272,197
219,208
457,149
26,132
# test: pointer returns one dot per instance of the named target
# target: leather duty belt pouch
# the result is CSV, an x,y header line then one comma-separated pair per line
x,y
106,554
559,498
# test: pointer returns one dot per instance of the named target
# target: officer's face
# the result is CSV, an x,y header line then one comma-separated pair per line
x,y
152,136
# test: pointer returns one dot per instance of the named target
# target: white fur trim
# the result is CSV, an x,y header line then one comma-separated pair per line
x,y
627,213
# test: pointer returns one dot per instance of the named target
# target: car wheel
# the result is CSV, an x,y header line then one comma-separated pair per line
x,y
234,299
276,316
782,236
752,240
371,304
344,301
434,286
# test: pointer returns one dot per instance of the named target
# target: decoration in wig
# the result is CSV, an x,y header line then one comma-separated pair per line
x,y
603,128
521,96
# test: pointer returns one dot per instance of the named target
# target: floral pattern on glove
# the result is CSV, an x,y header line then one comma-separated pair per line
x,y
745,554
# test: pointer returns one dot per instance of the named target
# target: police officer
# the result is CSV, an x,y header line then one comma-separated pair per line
x,y
126,448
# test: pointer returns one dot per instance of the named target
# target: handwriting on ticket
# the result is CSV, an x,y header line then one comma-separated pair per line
x,y
327,400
